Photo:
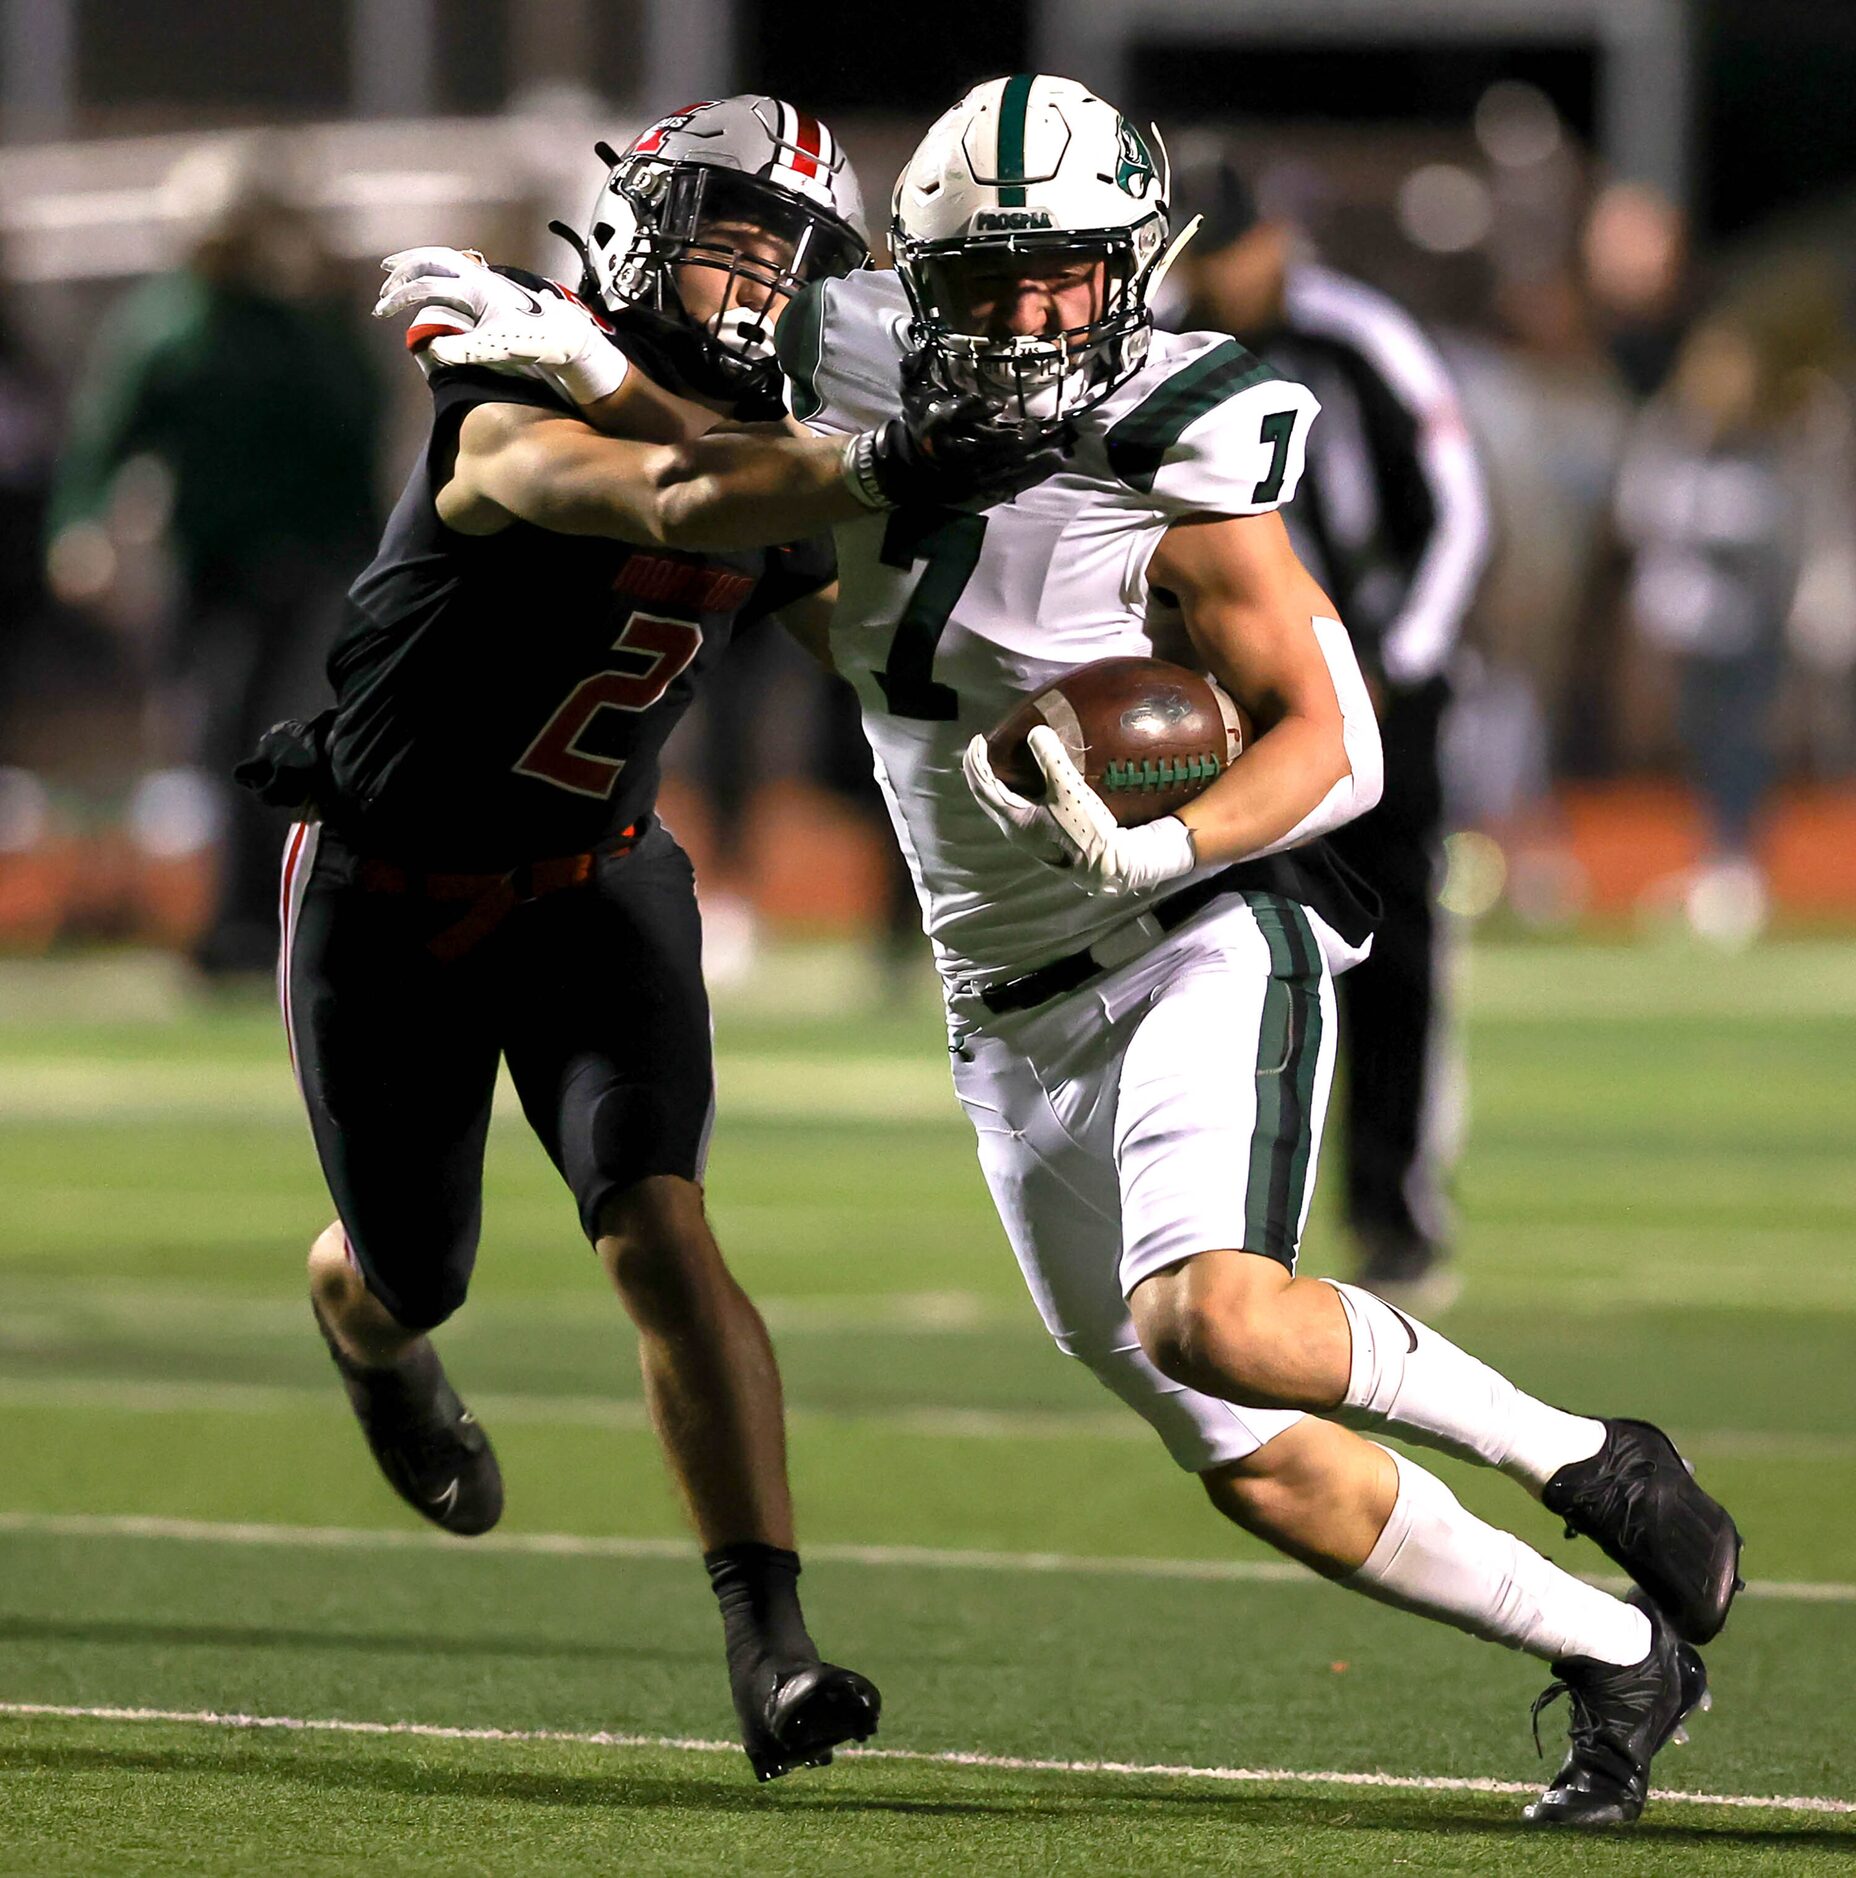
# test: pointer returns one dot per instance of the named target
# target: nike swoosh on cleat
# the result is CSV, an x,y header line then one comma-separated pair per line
x,y
444,1502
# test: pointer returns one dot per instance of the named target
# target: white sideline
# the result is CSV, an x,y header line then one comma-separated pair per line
x,y
1009,1763
588,1545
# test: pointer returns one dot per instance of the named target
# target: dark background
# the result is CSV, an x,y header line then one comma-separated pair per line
x,y
1775,110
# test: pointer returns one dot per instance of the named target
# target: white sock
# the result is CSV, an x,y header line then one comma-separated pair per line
x,y
1443,1562
1407,1380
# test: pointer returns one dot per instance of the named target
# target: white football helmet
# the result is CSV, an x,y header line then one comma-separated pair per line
x,y
1032,164
681,196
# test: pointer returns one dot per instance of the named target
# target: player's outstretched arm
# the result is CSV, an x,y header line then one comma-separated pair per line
x,y
1268,634
720,492
518,462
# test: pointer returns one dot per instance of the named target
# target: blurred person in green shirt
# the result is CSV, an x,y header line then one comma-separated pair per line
x,y
246,379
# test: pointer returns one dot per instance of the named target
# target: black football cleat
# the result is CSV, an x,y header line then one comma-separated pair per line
x,y
1639,1500
1621,1717
427,1442
794,1718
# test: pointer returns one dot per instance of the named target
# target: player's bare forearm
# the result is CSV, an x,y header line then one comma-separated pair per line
x,y
751,489
520,463
717,493
1250,607
1280,781
645,412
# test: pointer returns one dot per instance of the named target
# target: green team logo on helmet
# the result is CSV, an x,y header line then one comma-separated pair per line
x,y
1134,165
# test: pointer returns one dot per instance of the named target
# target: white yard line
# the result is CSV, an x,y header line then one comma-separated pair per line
x,y
263,1398
773,1086
1006,1763
71,1308
599,1411
588,1545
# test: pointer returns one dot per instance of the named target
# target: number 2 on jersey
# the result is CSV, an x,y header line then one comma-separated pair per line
x,y
555,756
949,541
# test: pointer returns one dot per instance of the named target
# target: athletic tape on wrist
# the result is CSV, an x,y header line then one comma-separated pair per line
x,y
859,471
594,373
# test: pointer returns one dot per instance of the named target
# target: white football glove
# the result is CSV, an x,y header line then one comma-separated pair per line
x,y
1108,859
465,313
1028,825
1074,828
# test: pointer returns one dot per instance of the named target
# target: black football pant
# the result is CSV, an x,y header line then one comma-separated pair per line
x,y
1391,1008
592,994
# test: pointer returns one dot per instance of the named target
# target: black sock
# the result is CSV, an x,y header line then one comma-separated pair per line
x,y
757,1587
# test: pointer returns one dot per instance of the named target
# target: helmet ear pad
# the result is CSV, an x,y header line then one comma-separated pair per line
x,y
619,243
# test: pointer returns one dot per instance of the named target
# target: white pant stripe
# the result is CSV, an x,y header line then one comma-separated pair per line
x,y
299,864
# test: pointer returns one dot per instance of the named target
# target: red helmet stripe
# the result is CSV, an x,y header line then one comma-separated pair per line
x,y
807,141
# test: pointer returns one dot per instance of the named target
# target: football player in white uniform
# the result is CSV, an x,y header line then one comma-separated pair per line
x,y
1142,1019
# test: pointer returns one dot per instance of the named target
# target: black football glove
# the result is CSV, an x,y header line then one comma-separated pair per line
x,y
949,447
290,767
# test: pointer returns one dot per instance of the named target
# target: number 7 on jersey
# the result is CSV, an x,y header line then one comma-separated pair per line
x,y
949,541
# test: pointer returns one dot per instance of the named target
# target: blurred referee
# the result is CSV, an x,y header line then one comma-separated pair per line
x,y
1392,518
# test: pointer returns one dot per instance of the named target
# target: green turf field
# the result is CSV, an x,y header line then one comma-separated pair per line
x,y
1085,1672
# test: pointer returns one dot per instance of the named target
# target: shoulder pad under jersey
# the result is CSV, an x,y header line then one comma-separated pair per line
x,y
1214,430
840,345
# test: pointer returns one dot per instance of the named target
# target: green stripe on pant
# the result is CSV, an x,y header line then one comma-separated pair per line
x,y
1288,1057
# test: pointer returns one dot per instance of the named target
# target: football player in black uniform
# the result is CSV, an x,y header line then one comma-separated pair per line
x,y
481,875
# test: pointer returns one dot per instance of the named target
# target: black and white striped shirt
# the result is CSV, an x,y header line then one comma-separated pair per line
x,y
1392,516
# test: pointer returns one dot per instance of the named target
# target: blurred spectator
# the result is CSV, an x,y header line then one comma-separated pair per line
x,y
733,757
1713,495
845,768
1635,250
28,430
1392,518
244,377
732,760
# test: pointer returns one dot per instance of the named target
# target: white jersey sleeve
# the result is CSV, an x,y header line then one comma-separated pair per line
x,y
840,348
1220,434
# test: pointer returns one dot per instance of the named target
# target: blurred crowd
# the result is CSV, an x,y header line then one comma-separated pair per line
x,y
187,484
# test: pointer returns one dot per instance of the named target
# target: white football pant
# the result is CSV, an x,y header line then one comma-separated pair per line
x,y
1170,1107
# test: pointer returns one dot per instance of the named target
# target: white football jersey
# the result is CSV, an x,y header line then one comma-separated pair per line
x,y
948,618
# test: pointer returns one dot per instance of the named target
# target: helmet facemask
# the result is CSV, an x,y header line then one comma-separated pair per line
x,y
1043,379
762,241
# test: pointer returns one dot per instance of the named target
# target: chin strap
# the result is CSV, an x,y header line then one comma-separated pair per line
x,y
589,282
1179,241
1171,255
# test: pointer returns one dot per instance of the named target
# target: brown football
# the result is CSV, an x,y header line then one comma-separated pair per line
x,y
1148,736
